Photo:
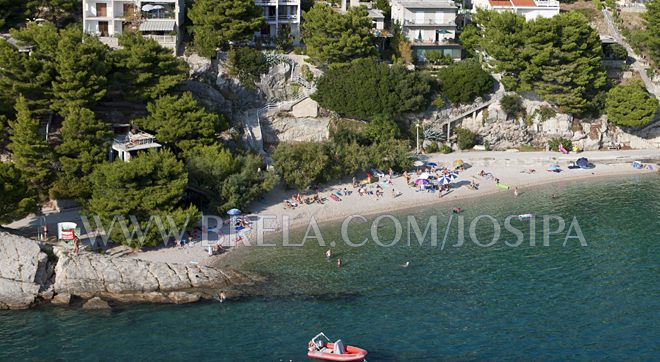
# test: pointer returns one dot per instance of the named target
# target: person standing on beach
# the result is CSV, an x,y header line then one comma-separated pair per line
x,y
515,192
76,243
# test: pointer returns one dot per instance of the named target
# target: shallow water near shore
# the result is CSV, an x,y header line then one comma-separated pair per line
x,y
556,302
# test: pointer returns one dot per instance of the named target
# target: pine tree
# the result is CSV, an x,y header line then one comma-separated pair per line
x,y
630,105
652,25
181,122
144,70
16,201
82,70
151,185
85,142
30,153
29,75
332,37
215,23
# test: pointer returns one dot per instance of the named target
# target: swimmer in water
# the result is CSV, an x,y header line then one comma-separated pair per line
x,y
405,265
328,254
339,262
457,210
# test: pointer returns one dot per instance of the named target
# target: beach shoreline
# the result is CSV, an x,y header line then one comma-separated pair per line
x,y
504,165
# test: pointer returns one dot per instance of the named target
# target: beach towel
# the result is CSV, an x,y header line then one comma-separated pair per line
x,y
562,149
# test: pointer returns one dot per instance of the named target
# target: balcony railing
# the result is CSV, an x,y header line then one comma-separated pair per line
x,y
433,42
281,18
265,2
432,22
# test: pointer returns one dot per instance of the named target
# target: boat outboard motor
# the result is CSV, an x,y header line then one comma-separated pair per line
x,y
339,347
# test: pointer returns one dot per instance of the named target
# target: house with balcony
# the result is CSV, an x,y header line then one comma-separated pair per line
x,y
129,141
279,14
428,25
161,20
530,9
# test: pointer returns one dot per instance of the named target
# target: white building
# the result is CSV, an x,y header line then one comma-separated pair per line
x,y
160,20
428,25
278,14
128,145
530,9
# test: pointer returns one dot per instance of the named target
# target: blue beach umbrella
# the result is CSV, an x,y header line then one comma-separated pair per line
x,y
431,164
234,212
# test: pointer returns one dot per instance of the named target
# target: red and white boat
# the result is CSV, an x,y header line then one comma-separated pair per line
x,y
321,348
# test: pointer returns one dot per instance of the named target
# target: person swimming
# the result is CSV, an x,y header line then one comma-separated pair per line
x,y
339,262
457,210
405,265
328,254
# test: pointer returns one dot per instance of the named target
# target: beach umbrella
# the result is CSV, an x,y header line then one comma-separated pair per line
x,y
582,162
424,176
452,175
233,212
147,7
458,163
418,163
421,182
444,180
431,164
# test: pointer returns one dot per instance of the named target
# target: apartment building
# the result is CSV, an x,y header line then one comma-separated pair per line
x,y
160,20
277,15
530,9
428,25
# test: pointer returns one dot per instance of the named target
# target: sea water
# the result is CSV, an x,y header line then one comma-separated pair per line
x,y
458,302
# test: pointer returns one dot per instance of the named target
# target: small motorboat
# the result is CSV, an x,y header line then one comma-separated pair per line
x,y
525,216
321,348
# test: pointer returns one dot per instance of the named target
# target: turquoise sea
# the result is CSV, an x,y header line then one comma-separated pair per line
x,y
557,302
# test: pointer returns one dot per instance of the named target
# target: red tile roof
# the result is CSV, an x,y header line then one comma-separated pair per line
x,y
526,3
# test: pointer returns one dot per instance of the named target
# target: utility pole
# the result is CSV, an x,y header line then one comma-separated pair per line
x,y
417,127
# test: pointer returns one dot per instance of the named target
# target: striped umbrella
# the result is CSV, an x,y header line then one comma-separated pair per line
x,y
444,180
452,175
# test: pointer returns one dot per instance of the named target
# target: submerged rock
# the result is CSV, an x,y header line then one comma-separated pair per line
x,y
96,303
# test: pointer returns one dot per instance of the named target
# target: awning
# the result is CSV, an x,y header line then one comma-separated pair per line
x,y
158,25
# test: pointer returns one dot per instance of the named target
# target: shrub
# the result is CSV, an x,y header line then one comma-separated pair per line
x,y
554,143
546,113
438,57
306,73
247,65
615,51
465,138
432,147
512,105
300,164
444,148
382,129
630,105
438,102
464,81
364,89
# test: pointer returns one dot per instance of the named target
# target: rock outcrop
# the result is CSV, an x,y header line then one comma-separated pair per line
x,y
132,280
28,275
291,129
23,271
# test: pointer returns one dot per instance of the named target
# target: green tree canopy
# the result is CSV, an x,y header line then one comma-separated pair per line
x,y
85,142
559,58
364,89
300,164
218,22
227,181
144,70
247,64
29,75
180,122
16,200
82,69
151,185
464,81
30,153
332,37
630,105
652,25
54,10
470,38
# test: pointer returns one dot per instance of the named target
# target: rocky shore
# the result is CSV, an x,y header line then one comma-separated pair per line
x,y
32,273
